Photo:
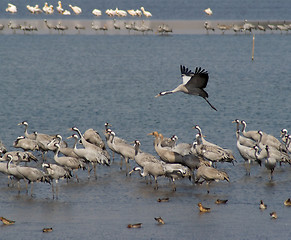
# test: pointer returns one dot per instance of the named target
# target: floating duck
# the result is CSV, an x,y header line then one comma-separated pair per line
x,y
6,221
163,199
47,229
203,209
159,220
135,225
274,215
11,8
287,202
221,201
208,11
262,205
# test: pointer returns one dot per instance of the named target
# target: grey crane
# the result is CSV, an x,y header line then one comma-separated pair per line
x,y
26,144
43,141
209,152
3,169
166,154
115,25
3,148
210,174
283,134
227,153
247,153
271,141
90,145
56,172
168,142
248,142
61,27
32,175
13,26
94,137
249,134
280,156
79,27
19,156
64,149
12,170
70,163
193,84
142,157
26,134
90,155
159,168
49,25
126,150
270,163
208,27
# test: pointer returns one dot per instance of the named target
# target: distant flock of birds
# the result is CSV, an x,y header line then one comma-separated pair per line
x,y
49,9
196,161
141,27
248,27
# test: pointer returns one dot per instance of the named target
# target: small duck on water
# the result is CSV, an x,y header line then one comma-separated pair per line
x,y
203,209
262,205
135,225
274,215
163,199
6,221
159,220
47,229
221,201
287,202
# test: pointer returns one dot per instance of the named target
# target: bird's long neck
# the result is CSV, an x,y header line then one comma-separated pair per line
x,y
56,153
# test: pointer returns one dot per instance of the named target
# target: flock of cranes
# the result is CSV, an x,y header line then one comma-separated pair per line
x,y
247,27
50,9
141,27
197,161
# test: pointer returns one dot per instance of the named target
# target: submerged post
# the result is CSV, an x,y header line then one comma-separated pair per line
x,y
253,50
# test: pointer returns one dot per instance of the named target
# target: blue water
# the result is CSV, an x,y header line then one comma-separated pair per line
x,y
58,81
168,9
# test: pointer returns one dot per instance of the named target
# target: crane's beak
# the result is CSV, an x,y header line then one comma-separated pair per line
x,y
158,95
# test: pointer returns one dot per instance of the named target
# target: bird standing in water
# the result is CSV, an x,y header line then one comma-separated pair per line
x,y
193,83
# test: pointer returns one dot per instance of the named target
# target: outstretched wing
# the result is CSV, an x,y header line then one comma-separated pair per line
x,y
198,79
186,74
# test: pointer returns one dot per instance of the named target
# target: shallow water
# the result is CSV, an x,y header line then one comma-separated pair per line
x,y
55,82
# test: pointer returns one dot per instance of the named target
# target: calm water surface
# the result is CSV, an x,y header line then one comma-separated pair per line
x,y
55,82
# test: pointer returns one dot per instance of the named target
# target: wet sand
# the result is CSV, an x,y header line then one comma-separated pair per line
x,y
177,26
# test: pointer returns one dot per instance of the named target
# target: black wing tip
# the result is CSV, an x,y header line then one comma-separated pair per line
x,y
186,71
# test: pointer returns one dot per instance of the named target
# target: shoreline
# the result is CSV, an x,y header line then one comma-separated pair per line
x,y
177,26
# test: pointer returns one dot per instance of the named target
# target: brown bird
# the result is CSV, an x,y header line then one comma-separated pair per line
x,y
47,229
163,199
287,202
135,225
203,209
262,205
274,215
6,221
221,201
160,220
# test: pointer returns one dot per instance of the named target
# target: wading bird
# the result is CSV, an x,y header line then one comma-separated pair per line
x,y
193,83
